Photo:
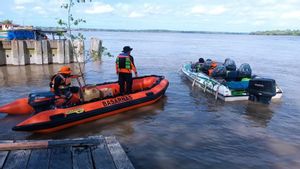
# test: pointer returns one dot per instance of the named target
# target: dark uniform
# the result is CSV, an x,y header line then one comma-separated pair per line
x,y
60,85
124,67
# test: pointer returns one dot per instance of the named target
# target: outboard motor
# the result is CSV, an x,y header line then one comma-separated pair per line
x,y
262,90
230,64
245,71
41,101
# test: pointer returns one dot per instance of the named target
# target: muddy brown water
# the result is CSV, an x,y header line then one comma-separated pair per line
x,y
186,128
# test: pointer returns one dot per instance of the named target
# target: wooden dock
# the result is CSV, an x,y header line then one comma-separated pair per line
x,y
95,152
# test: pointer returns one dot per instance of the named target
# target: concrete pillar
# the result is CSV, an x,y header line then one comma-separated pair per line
x,y
37,57
68,52
78,51
96,48
46,54
23,54
60,57
14,58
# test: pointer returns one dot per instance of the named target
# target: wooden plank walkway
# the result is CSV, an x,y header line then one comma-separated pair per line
x,y
95,152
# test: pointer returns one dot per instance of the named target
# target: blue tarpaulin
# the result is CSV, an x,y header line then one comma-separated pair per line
x,y
20,34
242,85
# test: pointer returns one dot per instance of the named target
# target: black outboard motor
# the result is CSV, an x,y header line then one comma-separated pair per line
x,y
262,90
230,64
245,71
41,101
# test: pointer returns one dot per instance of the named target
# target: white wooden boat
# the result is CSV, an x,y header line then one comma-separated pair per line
x,y
218,87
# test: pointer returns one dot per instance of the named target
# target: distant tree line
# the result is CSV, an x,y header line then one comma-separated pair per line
x,y
6,21
278,32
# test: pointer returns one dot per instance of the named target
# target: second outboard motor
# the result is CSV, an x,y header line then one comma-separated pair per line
x,y
230,64
41,101
262,90
245,71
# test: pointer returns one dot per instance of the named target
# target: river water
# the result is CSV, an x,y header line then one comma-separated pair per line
x,y
187,128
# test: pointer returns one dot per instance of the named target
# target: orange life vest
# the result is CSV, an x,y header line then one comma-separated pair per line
x,y
212,67
124,64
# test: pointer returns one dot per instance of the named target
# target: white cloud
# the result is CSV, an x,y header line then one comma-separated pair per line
x,y
135,14
99,8
237,22
21,2
291,15
19,7
140,10
206,10
198,10
217,10
39,10
258,23
152,9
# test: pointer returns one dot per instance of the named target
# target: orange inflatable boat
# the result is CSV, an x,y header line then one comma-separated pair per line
x,y
146,90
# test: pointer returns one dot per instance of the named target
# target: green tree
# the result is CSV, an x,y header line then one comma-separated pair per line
x,y
6,21
69,23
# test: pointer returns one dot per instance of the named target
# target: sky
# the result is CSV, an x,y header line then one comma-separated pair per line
x,y
188,15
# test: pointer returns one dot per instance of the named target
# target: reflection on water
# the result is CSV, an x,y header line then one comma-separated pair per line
x,y
187,128
259,113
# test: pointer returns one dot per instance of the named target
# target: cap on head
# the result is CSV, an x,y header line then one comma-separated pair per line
x,y
65,70
127,49
201,60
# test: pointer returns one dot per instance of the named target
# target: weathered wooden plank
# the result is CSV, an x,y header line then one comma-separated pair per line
x,y
101,156
82,158
3,154
23,145
39,159
74,142
119,156
17,159
60,158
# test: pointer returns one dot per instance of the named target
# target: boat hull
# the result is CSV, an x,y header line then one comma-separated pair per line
x,y
58,119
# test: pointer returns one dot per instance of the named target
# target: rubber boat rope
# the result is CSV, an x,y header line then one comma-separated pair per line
x,y
217,91
205,82
195,79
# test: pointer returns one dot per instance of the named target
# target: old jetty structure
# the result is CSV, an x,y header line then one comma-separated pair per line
x,y
27,45
96,152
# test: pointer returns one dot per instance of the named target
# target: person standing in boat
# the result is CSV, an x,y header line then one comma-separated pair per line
x,y
124,68
60,85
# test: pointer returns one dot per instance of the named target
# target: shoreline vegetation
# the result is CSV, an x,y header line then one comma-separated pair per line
x,y
287,32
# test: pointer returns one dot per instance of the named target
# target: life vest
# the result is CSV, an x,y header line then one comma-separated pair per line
x,y
212,67
124,64
214,64
66,82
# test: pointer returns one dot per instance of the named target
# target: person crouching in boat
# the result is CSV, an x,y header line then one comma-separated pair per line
x,y
199,65
124,67
60,85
